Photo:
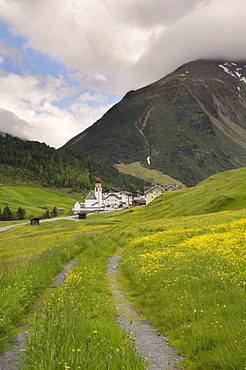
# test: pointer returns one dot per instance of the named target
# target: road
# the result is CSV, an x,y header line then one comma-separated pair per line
x,y
71,218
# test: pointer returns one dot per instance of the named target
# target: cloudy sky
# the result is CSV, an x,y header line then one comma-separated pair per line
x,y
64,63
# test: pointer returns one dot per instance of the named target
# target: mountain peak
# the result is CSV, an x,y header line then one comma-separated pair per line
x,y
189,124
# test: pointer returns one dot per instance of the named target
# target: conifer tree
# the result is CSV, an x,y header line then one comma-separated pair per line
x,y
54,212
7,214
20,214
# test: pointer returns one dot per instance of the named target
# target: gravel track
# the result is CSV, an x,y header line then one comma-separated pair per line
x,y
149,344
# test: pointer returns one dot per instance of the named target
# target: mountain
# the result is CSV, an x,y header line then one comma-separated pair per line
x,y
190,124
31,162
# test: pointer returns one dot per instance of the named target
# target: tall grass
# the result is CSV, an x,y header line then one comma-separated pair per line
x,y
78,329
190,280
29,258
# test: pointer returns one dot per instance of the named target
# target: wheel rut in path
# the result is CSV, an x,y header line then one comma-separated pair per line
x,y
10,359
149,345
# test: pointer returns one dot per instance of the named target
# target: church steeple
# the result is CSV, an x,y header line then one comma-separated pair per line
x,y
98,191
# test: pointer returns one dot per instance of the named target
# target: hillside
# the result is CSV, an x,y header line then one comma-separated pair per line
x,y
220,192
188,125
153,176
16,176
33,200
30,162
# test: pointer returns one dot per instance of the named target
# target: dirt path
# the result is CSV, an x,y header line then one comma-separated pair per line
x,y
150,345
10,359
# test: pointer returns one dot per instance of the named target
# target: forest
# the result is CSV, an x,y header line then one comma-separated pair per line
x,y
62,168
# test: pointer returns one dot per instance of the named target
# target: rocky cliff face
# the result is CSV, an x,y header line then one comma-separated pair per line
x,y
189,124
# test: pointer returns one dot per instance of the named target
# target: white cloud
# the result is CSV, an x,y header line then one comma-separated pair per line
x,y
212,29
132,41
11,124
111,46
96,37
37,117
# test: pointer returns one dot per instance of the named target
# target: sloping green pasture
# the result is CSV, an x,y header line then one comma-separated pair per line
x,y
153,176
31,199
221,192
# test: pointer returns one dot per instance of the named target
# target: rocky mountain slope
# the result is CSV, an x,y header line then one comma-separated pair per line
x,y
189,124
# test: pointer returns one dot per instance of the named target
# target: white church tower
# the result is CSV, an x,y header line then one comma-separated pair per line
x,y
98,191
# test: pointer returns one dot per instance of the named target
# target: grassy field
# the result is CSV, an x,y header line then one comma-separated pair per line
x,y
153,176
31,199
188,276
77,326
186,273
225,191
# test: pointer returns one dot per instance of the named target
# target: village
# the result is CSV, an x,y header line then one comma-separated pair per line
x,y
116,198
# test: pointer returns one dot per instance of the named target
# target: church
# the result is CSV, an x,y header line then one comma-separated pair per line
x,y
95,199
98,199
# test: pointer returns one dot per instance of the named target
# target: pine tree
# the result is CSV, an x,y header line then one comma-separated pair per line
x,y
54,212
20,214
7,214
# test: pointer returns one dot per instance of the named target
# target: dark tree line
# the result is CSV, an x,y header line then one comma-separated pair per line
x,y
62,168
48,214
8,215
20,214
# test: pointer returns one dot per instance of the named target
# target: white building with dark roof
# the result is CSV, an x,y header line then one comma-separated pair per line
x,y
94,200
116,198
99,200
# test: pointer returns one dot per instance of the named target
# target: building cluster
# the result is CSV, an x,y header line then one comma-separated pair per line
x,y
114,198
151,192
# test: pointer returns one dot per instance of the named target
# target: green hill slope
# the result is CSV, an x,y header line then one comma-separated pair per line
x,y
32,199
153,176
221,192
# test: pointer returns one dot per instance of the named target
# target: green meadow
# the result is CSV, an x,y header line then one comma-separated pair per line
x,y
221,192
32,199
183,266
153,176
